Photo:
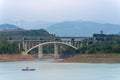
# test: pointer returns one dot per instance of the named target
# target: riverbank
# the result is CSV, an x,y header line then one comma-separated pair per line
x,y
15,57
81,58
93,58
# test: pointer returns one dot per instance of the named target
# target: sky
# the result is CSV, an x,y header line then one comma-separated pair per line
x,y
107,11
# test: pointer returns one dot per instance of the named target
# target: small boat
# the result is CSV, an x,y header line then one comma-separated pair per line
x,y
27,69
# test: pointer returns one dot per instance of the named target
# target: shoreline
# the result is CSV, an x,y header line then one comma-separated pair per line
x,y
15,57
93,58
82,58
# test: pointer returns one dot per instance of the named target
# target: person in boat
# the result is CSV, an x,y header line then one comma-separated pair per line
x,y
27,68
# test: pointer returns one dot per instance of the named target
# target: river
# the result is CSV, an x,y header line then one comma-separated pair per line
x,y
58,71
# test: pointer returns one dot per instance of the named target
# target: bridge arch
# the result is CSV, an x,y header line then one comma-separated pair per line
x,y
45,43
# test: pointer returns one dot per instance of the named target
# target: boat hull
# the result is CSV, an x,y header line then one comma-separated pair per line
x,y
28,69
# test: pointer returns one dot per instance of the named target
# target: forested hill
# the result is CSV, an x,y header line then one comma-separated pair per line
x,y
26,34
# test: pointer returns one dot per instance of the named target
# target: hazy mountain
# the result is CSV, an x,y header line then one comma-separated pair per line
x,y
8,27
35,24
29,24
82,28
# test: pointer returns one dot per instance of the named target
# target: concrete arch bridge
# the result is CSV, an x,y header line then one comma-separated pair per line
x,y
29,45
40,48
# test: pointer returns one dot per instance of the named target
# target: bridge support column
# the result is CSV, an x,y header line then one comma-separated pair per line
x,y
40,52
81,44
25,46
19,46
28,44
87,43
56,55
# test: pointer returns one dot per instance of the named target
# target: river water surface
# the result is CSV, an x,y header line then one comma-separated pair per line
x,y
58,71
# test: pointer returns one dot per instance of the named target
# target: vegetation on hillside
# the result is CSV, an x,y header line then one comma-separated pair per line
x,y
8,48
26,34
103,44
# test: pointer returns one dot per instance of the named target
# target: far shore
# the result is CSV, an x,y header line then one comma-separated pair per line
x,y
79,58
93,58
15,57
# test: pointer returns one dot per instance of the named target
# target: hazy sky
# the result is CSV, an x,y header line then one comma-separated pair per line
x,y
60,10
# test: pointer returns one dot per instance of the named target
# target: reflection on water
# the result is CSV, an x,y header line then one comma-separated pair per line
x,y
58,71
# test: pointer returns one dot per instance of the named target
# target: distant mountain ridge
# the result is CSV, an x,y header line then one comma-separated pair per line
x,y
72,28
82,28
28,25
4,27
36,24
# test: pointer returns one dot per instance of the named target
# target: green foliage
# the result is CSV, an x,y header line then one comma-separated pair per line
x,y
8,48
100,48
103,44
26,34
48,48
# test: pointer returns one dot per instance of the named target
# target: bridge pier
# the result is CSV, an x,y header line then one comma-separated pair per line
x,y
40,52
19,46
56,55
81,44
24,53
25,46
28,45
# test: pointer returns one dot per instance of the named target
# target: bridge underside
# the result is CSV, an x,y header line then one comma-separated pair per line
x,y
40,48
28,45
